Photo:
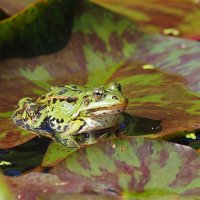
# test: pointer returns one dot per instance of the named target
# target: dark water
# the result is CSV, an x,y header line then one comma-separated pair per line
x,y
23,157
188,141
137,126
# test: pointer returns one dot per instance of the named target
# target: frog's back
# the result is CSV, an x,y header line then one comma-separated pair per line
x,y
61,104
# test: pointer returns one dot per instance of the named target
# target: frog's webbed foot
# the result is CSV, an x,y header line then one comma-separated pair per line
x,y
67,140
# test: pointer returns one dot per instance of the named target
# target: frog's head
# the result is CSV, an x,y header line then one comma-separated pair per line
x,y
25,114
103,101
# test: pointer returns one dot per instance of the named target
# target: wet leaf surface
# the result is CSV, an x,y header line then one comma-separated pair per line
x,y
156,16
11,136
121,168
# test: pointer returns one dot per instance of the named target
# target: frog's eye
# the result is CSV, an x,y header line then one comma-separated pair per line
x,y
98,94
114,86
119,87
30,110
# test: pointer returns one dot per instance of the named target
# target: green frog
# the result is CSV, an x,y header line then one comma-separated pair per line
x,y
69,110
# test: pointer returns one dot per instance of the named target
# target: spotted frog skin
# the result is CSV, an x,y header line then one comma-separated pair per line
x,y
66,111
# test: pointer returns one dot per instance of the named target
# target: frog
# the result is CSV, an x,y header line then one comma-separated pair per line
x,y
66,111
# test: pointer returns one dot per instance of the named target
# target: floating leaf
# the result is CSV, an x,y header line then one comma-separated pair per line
x,y
121,168
157,16
55,153
77,197
178,56
5,192
10,136
35,30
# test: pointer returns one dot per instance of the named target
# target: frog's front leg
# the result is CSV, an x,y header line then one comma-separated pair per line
x,y
67,137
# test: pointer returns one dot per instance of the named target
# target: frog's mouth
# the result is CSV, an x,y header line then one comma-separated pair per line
x,y
109,110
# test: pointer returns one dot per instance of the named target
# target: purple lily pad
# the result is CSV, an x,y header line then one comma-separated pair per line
x,y
10,136
182,16
120,168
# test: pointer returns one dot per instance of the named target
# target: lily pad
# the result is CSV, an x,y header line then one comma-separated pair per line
x,y
10,136
35,30
178,56
156,16
121,168
5,192
77,197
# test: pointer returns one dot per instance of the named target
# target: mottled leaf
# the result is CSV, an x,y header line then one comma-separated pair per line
x,y
178,56
35,30
77,197
55,153
11,136
123,169
128,167
155,16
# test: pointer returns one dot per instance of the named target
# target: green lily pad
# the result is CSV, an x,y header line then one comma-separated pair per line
x,y
182,16
5,192
55,153
35,29
121,168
